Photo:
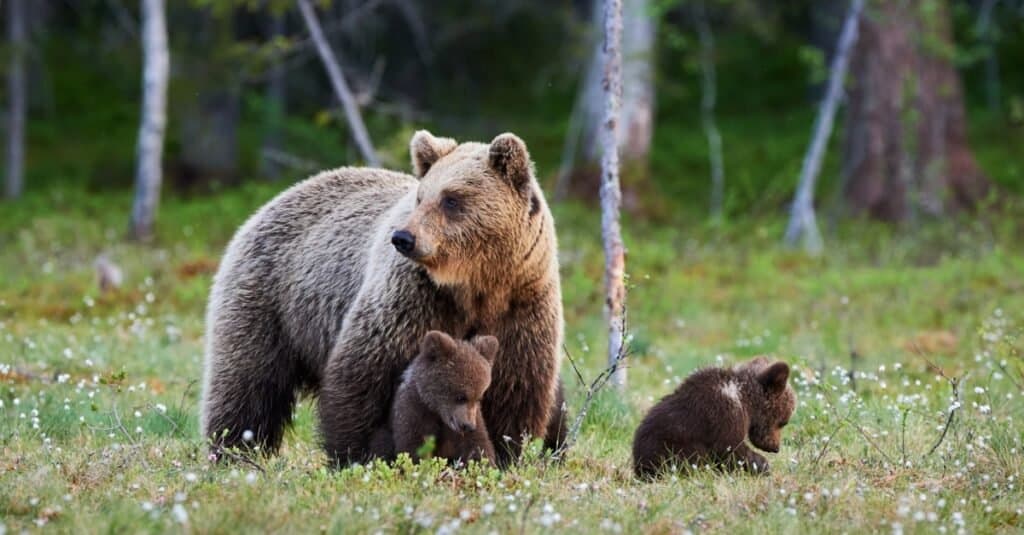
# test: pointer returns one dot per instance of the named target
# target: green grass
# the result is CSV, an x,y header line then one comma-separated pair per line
x,y
99,394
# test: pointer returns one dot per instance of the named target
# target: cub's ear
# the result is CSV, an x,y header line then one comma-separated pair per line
x,y
436,344
508,157
774,377
487,346
426,150
755,365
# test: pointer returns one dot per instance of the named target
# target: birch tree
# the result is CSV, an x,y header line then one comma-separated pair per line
x,y
611,195
348,102
16,105
636,109
803,225
149,152
709,87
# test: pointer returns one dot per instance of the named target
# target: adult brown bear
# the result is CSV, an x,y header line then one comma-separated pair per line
x,y
329,287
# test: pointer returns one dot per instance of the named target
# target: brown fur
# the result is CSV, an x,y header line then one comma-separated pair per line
x,y
707,419
311,295
440,397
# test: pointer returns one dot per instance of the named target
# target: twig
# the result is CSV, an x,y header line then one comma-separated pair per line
x,y
595,386
828,442
849,419
954,383
526,509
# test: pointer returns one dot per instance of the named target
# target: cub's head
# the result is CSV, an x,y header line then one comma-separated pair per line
x,y
771,402
478,212
452,376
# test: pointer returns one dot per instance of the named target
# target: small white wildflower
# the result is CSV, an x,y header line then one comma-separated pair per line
x,y
191,477
180,514
250,478
247,435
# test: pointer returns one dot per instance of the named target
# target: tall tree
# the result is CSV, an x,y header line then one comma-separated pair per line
x,y
709,87
156,67
348,101
611,196
906,138
803,225
636,112
16,106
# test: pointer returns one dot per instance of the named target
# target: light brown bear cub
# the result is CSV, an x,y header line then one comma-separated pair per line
x,y
707,419
440,397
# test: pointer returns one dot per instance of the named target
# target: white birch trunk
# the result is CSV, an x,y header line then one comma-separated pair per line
x,y
16,106
611,196
803,225
636,110
348,102
709,96
149,152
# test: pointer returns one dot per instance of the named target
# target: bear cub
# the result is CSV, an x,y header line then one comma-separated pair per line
x,y
707,419
439,397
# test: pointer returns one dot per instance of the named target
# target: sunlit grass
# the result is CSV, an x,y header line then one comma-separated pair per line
x,y
98,392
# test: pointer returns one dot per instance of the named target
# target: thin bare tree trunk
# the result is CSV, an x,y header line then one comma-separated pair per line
x,y
993,88
149,153
636,110
803,225
275,96
611,196
16,110
348,102
707,110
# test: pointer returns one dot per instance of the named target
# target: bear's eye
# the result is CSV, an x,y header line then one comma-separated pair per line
x,y
461,398
449,203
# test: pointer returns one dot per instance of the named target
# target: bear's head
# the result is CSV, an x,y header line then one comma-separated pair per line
x,y
479,211
770,402
451,377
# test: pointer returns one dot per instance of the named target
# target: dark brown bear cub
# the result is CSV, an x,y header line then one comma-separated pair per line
x,y
440,397
707,419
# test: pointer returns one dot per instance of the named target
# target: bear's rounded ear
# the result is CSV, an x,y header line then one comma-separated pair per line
x,y
508,157
487,346
774,377
436,344
426,150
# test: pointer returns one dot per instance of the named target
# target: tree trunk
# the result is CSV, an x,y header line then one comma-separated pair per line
x,y
803,225
906,139
611,234
16,89
709,90
275,106
348,102
156,67
636,113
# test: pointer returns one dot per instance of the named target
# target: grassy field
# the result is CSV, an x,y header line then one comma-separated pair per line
x,y
98,392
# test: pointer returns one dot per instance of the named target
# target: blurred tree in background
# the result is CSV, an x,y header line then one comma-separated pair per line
x,y
249,98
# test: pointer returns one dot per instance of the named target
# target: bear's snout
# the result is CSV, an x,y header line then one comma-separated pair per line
x,y
404,242
467,427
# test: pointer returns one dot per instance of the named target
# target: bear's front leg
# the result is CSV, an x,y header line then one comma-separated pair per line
x,y
358,386
524,379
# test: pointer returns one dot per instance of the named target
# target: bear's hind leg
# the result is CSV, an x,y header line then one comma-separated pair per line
x,y
250,390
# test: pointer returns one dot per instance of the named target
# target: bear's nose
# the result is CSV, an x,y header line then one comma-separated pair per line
x,y
404,241
467,427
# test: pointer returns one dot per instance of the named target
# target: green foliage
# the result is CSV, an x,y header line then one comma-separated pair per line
x,y
107,384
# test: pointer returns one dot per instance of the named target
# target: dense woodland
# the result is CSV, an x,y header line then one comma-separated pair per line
x,y
248,96
836,183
